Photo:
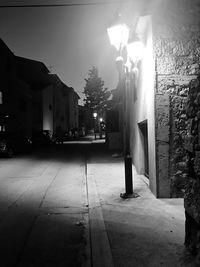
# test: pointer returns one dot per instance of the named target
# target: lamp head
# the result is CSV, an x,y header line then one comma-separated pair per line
x,y
118,33
135,50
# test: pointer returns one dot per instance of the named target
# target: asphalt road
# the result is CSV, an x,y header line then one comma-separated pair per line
x,y
44,208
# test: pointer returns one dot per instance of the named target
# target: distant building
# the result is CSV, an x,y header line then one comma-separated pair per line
x,y
37,76
81,116
55,105
72,107
60,106
15,95
33,99
86,119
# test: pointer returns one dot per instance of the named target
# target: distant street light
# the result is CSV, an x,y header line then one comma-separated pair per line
x,y
95,115
118,34
100,127
95,121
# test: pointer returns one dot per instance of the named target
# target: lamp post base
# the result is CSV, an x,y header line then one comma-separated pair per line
x,y
131,195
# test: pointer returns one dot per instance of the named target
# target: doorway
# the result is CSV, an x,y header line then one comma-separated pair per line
x,y
143,126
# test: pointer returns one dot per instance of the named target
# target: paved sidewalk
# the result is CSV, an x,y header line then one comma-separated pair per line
x,y
56,210
138,232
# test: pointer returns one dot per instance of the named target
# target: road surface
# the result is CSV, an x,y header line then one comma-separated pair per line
x,y
44,208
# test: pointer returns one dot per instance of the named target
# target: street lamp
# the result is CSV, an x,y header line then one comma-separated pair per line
x,y
127,66
118,34
100,127
95,117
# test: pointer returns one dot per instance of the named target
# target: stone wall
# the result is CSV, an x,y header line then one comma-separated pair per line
x,y
192,148
176,33
192,181
162,144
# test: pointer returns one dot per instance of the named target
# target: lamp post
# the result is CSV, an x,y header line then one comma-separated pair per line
x,y
127,66
95,118
100,127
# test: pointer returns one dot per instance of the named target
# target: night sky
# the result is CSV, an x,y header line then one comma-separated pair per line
x,y
69,40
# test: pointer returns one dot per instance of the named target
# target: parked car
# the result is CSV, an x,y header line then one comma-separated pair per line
x,y
42,138
12,143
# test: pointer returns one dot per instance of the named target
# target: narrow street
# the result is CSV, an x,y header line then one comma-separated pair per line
x,y
44,208
61,207
72,73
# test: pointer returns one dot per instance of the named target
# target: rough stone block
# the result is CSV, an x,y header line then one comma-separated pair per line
x,y
174,84
177,65
163,169
192,199
189,143
163,134
162,117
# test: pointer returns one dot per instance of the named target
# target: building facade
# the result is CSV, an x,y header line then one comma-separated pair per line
x,y
165,106
15,104
158,114
32,99
60,106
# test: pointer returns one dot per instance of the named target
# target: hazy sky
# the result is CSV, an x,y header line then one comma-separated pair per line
x,y
70,40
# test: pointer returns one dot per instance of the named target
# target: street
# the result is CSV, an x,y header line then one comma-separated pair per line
x,y
44,208
61,206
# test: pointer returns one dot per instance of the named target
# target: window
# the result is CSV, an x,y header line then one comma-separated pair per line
x,y
1,97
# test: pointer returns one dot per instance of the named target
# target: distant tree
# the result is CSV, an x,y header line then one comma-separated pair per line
x,y
96,95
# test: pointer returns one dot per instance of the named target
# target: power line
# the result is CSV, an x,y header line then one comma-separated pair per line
x,y
67,5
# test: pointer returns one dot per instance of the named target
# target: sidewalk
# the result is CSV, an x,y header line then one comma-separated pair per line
x,y
144,231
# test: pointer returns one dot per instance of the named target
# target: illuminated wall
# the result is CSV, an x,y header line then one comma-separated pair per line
x,y
143,108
